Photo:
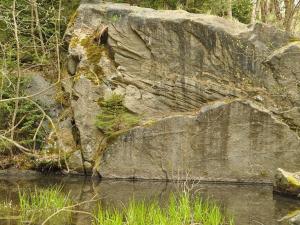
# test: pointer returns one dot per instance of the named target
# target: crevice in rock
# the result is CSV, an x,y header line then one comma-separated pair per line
x,y
145,44
76,136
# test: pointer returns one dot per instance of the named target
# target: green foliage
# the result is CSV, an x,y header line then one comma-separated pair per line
x,y
37,206
29,35
114,116
180,210
242,10
38,45
28,116
215,7
156,4
93,51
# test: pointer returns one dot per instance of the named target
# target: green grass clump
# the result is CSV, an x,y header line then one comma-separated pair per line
x,y
180,210
37,206
114,116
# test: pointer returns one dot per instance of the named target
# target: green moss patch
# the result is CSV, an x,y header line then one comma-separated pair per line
x,y
74,42
93,50
114,117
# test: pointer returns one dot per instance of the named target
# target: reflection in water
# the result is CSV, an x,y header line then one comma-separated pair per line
x,y
249,204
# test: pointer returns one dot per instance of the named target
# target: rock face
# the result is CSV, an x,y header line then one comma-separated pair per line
x,y
37,84
218,100
288,183
234,141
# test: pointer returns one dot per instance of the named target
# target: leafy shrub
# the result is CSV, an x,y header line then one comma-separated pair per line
x,y
28,117
29,32
114,116
156,4
242,10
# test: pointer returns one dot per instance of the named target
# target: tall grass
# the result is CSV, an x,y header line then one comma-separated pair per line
x,y
181,210
37,206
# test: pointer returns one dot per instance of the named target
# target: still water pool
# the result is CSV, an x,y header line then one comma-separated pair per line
x,y
248,204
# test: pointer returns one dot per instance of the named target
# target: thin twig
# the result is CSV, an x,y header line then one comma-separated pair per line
x,y
68,208
18,72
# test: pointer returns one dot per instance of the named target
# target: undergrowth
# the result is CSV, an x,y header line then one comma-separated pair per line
x,y
35,48
241,9
28,116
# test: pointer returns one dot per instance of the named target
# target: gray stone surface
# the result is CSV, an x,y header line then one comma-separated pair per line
x,y
234,141
286,71
85,108
172,67
38,84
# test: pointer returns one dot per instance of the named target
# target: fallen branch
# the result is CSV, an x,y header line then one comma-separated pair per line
x,y
69,208
23,149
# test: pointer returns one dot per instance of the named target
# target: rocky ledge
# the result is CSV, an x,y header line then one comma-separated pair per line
x,y
216,99
287,183
224,141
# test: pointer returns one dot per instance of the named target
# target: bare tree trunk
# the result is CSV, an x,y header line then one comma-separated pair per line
x,y
38,25
291,8
255,10
265,5
32,29
253,16
229,9
277,10
57,37
263,10
16,109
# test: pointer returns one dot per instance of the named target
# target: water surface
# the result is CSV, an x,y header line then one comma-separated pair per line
x,y
248,204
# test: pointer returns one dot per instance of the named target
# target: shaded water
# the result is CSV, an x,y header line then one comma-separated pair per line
x,y
249,204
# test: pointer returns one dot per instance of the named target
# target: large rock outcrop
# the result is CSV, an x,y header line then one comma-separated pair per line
x,y
218,99
233,141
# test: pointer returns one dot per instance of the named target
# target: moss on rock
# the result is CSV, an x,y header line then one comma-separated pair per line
x,y
93,50
114,116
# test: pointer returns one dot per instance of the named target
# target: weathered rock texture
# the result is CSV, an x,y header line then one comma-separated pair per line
x,y
234,141
183,73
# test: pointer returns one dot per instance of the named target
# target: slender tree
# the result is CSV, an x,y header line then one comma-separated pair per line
x,y
255,10
276,5
229,9
291,9
264,4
